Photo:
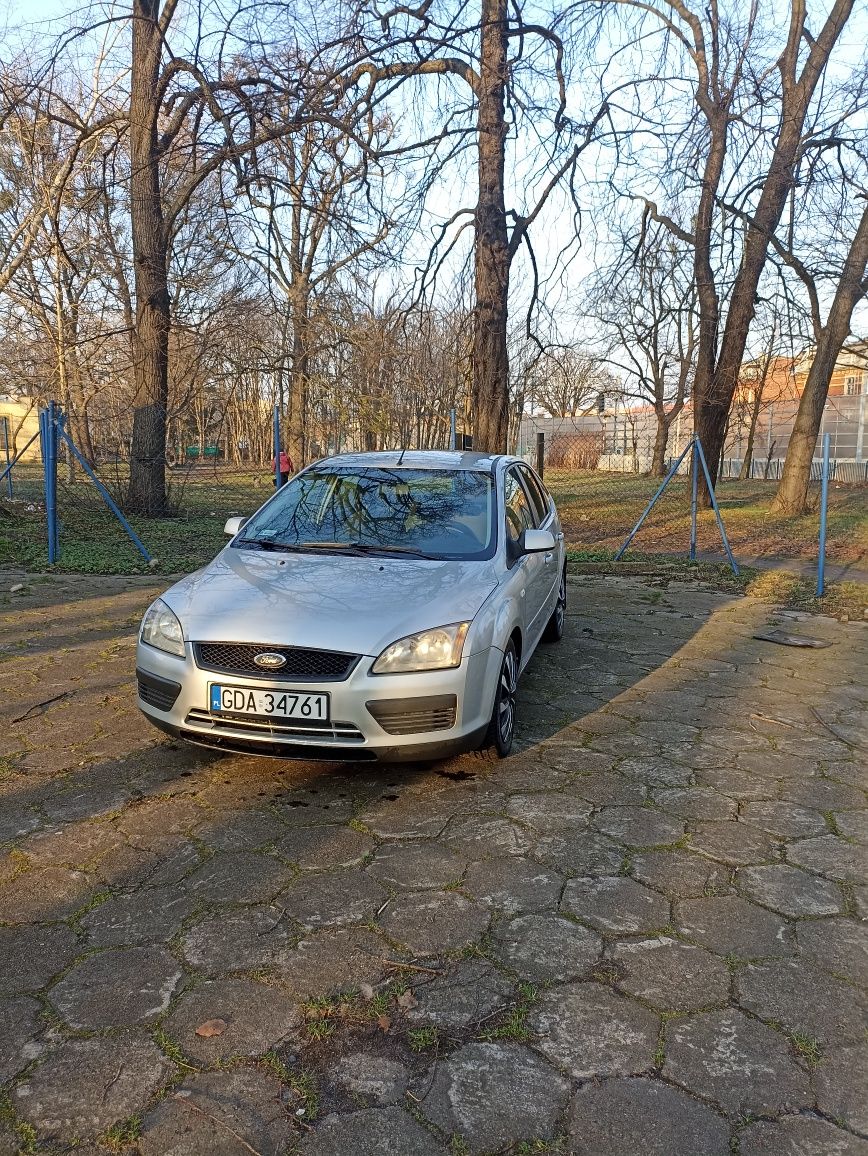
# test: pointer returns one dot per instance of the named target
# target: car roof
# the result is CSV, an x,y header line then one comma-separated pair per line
x,y
422,460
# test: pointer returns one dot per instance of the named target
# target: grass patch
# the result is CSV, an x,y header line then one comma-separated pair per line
x,y
422,1039
25,1132
598,511
172,1051
122,1135
806,1048
512,1025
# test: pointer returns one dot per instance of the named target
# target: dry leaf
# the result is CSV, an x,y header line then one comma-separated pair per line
x,y
407,1000
211,1028
383,1023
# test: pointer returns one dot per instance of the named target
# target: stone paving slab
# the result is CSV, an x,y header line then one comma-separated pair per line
x,y
643,933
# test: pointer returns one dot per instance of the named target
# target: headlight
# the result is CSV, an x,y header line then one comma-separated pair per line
x,y
161,628
434,649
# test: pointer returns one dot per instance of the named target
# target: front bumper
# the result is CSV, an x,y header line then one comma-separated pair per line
x,y
372,717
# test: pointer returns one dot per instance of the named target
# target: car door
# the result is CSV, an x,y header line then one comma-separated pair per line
x,y
520,515
544,508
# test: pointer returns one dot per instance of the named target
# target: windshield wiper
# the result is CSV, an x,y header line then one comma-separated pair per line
x,y
369,548
359,548
271,544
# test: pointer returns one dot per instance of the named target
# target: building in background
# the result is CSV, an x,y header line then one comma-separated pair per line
x,y
19,421
620,436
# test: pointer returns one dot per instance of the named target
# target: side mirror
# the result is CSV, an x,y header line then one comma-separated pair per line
x,y
233,525
537,541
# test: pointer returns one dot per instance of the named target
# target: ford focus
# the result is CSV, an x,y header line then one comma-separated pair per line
x,y
378,606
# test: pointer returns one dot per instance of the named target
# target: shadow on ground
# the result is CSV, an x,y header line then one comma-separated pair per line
x,y
640,934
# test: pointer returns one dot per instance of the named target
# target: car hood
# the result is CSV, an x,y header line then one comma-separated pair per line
x,y
358,605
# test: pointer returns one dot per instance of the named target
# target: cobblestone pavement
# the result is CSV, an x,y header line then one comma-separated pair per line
x,y
640,935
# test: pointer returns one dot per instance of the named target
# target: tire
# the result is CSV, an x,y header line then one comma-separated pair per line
x,y
501,728
554,630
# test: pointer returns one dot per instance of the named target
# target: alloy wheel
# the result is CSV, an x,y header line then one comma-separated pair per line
x,y
506,697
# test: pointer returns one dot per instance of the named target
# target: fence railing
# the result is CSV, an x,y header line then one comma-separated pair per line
x,y
85,504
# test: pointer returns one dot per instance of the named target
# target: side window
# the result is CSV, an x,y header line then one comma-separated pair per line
x,y
537,494
519,515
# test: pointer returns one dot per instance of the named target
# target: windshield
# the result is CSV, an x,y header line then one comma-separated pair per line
x,y
424,513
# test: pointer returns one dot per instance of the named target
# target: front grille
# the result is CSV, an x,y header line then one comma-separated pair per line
x,y
157,692
296,729
410,716
302,664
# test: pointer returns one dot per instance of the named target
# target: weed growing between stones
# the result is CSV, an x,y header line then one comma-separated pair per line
x,y
806,1048
513,1024
123,1134
25,1132
421,1039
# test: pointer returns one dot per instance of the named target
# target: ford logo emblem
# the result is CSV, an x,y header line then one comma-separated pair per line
x,y
268,660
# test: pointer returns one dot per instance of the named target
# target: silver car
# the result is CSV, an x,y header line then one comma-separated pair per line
x,y
378,606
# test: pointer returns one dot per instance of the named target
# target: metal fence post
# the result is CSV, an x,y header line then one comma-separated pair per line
x,y
540,453
824,498
48,440
8,458
701,454
694,484
452,428
278,476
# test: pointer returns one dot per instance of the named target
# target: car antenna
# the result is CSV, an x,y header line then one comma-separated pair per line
x,y
401,456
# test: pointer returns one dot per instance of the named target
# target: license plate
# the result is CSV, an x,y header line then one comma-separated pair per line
x,y
277,703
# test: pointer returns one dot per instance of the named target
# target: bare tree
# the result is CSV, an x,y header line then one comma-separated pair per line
x,y
317,211
645,305
567,381
750,126
830,336
487,55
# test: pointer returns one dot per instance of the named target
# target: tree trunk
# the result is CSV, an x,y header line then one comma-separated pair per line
x,y
147,488
490,358
714,393
747,462
296,442
792,494
661,437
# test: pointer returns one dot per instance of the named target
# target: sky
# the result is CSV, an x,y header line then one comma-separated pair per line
x,y
549,231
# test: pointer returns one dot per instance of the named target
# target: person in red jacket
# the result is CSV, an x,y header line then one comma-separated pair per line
x,y
286,467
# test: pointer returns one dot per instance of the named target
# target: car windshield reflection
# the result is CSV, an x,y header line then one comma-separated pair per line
x,y
434,514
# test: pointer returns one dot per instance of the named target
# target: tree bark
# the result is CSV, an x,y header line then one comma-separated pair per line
x,y
147,488
661,437
296,441
792,494
714,394
747,461
490,358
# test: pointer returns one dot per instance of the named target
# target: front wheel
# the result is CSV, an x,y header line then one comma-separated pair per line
x,y
554,630
501,729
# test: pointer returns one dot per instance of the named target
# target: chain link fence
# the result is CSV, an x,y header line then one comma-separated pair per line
x,y
599,469
603,475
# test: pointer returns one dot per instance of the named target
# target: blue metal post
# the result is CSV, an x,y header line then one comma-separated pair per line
x,y
694,484
715,506
8,458
278,476
104,494
48,422
452,428
654,500
824,500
